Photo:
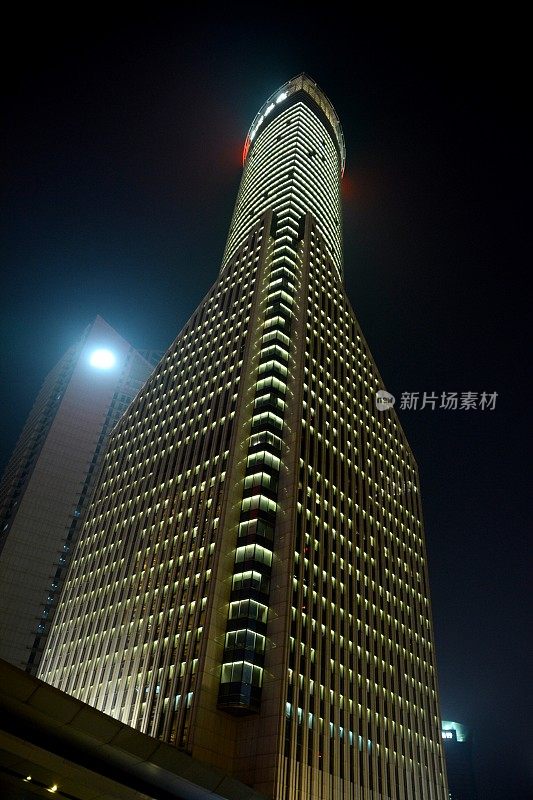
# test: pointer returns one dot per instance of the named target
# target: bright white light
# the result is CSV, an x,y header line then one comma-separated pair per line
x,y
281,97
102,359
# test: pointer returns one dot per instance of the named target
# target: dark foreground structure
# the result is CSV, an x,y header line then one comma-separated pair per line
x,y
251,583
52,745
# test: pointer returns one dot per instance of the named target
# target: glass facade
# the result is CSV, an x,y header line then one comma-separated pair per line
x,y
251,581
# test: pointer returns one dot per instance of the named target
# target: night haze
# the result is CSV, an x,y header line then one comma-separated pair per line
x,y
123,152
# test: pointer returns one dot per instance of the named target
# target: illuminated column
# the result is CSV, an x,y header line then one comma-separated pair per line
x,y
242,671
293,159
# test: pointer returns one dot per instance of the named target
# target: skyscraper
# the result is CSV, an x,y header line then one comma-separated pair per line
x,y
458,752
251,580
49,478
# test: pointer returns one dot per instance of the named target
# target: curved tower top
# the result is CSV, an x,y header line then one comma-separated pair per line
x,y
292,166
280,99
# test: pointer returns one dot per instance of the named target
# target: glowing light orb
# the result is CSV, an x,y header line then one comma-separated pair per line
x,y
102,359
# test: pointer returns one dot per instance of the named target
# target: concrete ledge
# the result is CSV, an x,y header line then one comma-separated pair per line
x,y
59,740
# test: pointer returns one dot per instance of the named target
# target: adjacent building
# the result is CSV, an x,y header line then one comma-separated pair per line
x,y
251,582
458,752
50,477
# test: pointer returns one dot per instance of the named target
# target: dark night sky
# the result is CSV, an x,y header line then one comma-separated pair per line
x,y
121,148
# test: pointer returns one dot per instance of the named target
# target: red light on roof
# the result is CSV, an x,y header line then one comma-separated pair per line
x,y
245,150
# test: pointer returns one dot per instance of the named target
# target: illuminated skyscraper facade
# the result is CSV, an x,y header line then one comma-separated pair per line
x,y
251,581
49,479
457,743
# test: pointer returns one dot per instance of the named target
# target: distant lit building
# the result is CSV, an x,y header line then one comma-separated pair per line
x,y
251,581
49,478
458,751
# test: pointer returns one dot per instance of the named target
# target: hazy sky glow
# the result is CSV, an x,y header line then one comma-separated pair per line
x,y
123,142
